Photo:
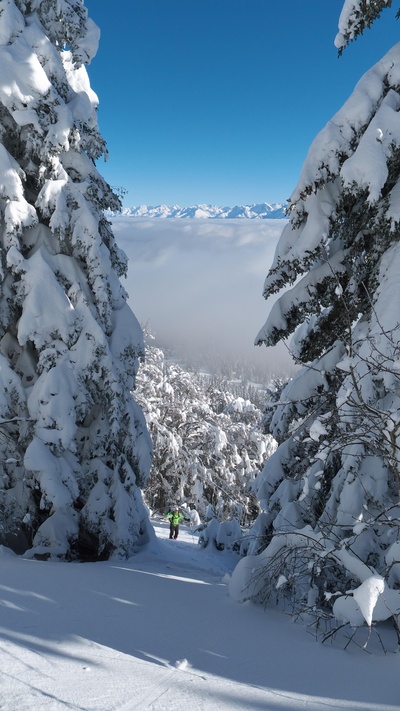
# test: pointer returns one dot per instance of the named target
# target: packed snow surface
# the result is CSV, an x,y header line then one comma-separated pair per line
x,y
159,632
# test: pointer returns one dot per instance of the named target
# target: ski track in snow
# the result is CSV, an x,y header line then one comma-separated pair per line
x,y
160,633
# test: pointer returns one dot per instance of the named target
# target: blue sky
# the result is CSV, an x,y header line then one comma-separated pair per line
x,y
217,101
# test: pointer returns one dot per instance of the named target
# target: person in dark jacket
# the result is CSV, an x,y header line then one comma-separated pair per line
x,y
174,518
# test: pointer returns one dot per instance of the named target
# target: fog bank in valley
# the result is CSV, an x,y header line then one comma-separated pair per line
x,y
198,284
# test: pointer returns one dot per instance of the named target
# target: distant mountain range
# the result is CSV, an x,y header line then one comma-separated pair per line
x,y
261,211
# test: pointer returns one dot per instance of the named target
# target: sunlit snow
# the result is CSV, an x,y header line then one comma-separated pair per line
x,y
144,635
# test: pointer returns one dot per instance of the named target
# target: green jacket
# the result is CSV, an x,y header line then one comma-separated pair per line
x,y
176,517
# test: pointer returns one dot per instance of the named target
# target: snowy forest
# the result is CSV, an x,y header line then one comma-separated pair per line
x,y
208,442
98,430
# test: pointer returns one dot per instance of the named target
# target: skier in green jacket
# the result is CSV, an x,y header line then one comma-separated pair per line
x,y
174,517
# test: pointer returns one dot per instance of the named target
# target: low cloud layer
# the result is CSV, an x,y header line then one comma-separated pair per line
x,y
199,284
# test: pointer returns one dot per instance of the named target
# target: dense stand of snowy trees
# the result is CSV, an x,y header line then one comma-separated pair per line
x,y
330,493
208,446
74,448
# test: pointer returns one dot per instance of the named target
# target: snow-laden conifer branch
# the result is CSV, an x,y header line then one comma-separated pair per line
x,y
334,478
69,344
356,16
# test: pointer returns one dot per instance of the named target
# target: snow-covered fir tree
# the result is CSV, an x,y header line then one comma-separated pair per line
x,y
74,445
330,493
208,445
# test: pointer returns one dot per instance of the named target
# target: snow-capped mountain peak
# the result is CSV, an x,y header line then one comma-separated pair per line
x,y
257,211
